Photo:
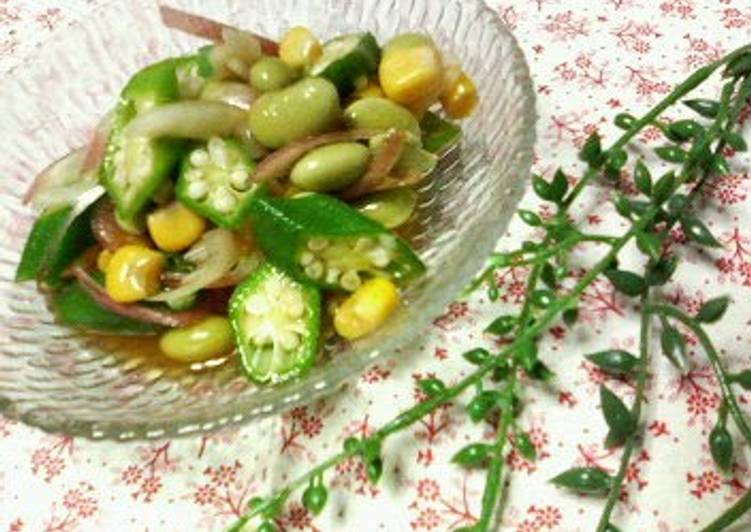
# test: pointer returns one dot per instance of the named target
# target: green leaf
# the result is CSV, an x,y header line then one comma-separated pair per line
x,y
592,151
374,470
618,417
502,325
543,298
704,107
539,372
671,154
612,528
624,120
713,310
616,159
735,141
660,272
674,347
267,526
743,378
481,404
530,218
541,187
677,203
650,244
351,444
626,282
432,387
623,206
695,230
473,455
559,186
526,355
477,356
719,165
525,446
501,371
547,274
615,361
721,447
740,66
314,498
663,189
570,316
585,480
683,130
642,178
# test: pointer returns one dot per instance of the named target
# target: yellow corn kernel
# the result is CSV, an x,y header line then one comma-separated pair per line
x,y
366,309
300,48
103,260
460,99
413,74
371,90
133,273
175,227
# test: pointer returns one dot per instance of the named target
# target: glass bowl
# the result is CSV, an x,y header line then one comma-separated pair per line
x,y
63,381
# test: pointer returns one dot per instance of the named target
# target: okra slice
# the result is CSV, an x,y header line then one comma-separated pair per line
x,y
439,135
215,181
323,240
277,322
193,72
135,167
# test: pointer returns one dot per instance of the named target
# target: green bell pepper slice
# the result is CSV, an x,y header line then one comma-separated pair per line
x,y
277,322
75,308
59,236
323,240
134,168
215,181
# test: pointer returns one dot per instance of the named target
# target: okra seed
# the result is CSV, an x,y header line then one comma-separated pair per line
x,y
318,244
379,257
332,276
257,305
363,244
239,179
194,174
306,258
199,158
197,189
314,270
350,281
289,340
387,241
218,152
224,201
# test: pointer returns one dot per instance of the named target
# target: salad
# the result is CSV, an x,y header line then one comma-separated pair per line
x,y
248,199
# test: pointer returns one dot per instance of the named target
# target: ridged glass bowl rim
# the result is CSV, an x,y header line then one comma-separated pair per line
x,y
304,391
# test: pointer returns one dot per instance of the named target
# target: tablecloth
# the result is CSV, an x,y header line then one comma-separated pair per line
x,y
590,60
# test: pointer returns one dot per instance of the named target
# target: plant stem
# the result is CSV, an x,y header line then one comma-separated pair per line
x,y
492,493
731,515
714,359
628,449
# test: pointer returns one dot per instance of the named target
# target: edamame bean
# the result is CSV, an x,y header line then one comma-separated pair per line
x,y
380,113
308,107
391,208
210,338
331,167
271,74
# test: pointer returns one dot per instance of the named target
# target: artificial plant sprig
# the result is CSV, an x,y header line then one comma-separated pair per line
x,y
496,377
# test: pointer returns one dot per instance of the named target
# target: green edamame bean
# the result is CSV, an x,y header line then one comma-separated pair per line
x,y
210,338
271,74
332,167
390,208
380,113
308,107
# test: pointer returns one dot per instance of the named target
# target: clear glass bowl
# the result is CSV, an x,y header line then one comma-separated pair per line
x,y
64,381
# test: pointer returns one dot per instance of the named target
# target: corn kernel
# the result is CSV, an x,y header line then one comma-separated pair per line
x,y
300,48
409,75
366,309
133,273
103,260
460,99
175,227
